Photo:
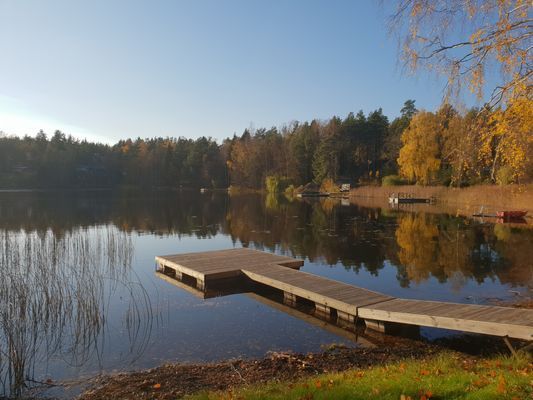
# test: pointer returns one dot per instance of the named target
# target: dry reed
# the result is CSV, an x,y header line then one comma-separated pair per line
x,y
54,292
467,200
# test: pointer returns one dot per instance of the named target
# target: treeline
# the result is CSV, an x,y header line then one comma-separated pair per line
x,y
445,147
64,162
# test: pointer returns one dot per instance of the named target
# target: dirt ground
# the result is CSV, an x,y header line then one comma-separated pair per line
x,y
176,380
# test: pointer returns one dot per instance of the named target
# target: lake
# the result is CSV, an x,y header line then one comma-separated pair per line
x,y
79,293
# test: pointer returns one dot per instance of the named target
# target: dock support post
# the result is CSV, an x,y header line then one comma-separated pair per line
x,y
173,272
394,328
509,345
323,309
375,325
200,284
345,317
289,299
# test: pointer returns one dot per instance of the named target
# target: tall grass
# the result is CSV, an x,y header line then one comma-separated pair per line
x,y
54,292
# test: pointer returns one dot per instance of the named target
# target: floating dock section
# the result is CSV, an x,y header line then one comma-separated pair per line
x,y
336,299
408,198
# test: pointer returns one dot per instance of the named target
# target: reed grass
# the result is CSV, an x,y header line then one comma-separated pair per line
x,y
54,293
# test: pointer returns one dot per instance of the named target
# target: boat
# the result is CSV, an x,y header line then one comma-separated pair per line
x,y
511,214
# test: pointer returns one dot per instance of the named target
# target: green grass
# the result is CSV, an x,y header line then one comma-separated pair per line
x,y
446,376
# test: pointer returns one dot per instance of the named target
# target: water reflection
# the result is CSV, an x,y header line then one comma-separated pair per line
x,y
274,299
54,297
420,245
433,245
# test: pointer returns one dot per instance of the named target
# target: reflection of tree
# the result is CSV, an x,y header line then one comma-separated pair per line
x,y
271,201
416,238
53,298
418,245
516,248
448,248
187,213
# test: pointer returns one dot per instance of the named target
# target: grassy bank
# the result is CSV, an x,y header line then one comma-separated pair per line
x,y
444,376
468,200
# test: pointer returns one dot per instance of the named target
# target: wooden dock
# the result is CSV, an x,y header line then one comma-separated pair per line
x,y
408,198
346,302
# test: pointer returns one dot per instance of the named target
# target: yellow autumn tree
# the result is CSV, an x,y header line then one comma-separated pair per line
x,y
465,40
460,148
507,142
418,158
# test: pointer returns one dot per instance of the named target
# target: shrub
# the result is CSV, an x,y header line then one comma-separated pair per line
x,y
392,180
504,176
328,186
276,184
290,190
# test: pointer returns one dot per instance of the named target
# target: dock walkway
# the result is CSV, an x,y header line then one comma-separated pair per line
x,y
347,302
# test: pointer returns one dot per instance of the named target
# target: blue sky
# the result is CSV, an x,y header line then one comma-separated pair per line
x,y
111,69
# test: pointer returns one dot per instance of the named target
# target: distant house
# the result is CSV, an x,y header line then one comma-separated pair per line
x,y
345,187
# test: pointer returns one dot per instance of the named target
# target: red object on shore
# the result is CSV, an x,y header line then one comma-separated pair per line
x,y
511,214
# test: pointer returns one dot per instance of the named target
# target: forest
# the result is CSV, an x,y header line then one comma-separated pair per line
x,y
445,147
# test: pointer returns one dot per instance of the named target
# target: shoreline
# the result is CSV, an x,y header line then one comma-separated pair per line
x,y
465,200
176,380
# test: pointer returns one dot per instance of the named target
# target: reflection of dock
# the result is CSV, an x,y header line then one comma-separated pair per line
x,y
219,290
314,320
343,301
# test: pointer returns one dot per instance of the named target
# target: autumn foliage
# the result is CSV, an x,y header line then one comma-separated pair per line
x,y
492,146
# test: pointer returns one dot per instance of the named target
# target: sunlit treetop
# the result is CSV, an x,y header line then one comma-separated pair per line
x,y
464,39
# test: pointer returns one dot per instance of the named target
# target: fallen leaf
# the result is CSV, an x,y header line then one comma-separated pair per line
x,y
478,383
424,372
501,384
318,384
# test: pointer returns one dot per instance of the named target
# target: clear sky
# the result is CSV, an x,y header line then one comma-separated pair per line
x,y
111,69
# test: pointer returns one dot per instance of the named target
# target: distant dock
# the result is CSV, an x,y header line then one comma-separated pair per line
x,y
336,299
408,198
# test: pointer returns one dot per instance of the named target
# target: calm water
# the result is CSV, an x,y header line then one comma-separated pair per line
x,y
79,294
